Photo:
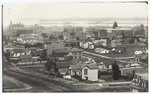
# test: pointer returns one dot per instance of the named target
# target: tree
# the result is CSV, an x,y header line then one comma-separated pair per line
x,y
51,37
115,24
139,30
134,40
48,64
61,37
123,35
44,35
7,55
116,72
43,54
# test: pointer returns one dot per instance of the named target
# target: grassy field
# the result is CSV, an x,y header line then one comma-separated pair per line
x,y
11,84
81,86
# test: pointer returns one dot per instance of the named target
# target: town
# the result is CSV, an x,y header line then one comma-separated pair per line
x,y
97,54
70,57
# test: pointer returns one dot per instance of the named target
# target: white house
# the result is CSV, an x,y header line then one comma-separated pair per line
x,y
18,52
86,71
90,72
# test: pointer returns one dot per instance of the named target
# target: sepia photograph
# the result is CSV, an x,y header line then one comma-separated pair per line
x,y
52,47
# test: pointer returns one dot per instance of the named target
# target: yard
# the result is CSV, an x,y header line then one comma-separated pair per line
x,y
80,86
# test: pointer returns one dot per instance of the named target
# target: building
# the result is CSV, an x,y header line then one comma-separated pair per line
x,y
87,45
143,58
140,83
30,38
24,31
90,72
59,53
104,64
85,71
80,36
76,53
111,32
53,46
100,33
72,43
75,69
131,48
126,71
16,53
25,58
63,66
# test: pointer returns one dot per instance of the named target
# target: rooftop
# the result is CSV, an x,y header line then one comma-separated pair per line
x,y
81,66
75,50
25,56
63,64
92,66
19,50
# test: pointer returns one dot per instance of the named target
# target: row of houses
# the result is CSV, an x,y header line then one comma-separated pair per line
x,y
88,69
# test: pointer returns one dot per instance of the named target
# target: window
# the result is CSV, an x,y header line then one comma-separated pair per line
x,y
85,71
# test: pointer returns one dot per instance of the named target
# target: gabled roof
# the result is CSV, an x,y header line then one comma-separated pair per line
x,y
81,66
106,62
76,67
91,66
63,64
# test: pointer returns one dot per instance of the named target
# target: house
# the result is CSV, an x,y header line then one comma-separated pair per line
x,y
142,58
85,71
90,72
111,32
131,48
114,43
100,43
87,45
72,43
52,46
101,66
17,52
75,69
25,58
63,66
104,64
76,53
59,52
126,63
140,82
80,36
100,33
128,70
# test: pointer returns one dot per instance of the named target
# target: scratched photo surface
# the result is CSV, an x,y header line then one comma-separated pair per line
x,y
75,47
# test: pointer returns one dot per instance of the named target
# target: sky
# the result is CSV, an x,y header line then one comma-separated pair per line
x,y
18,11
